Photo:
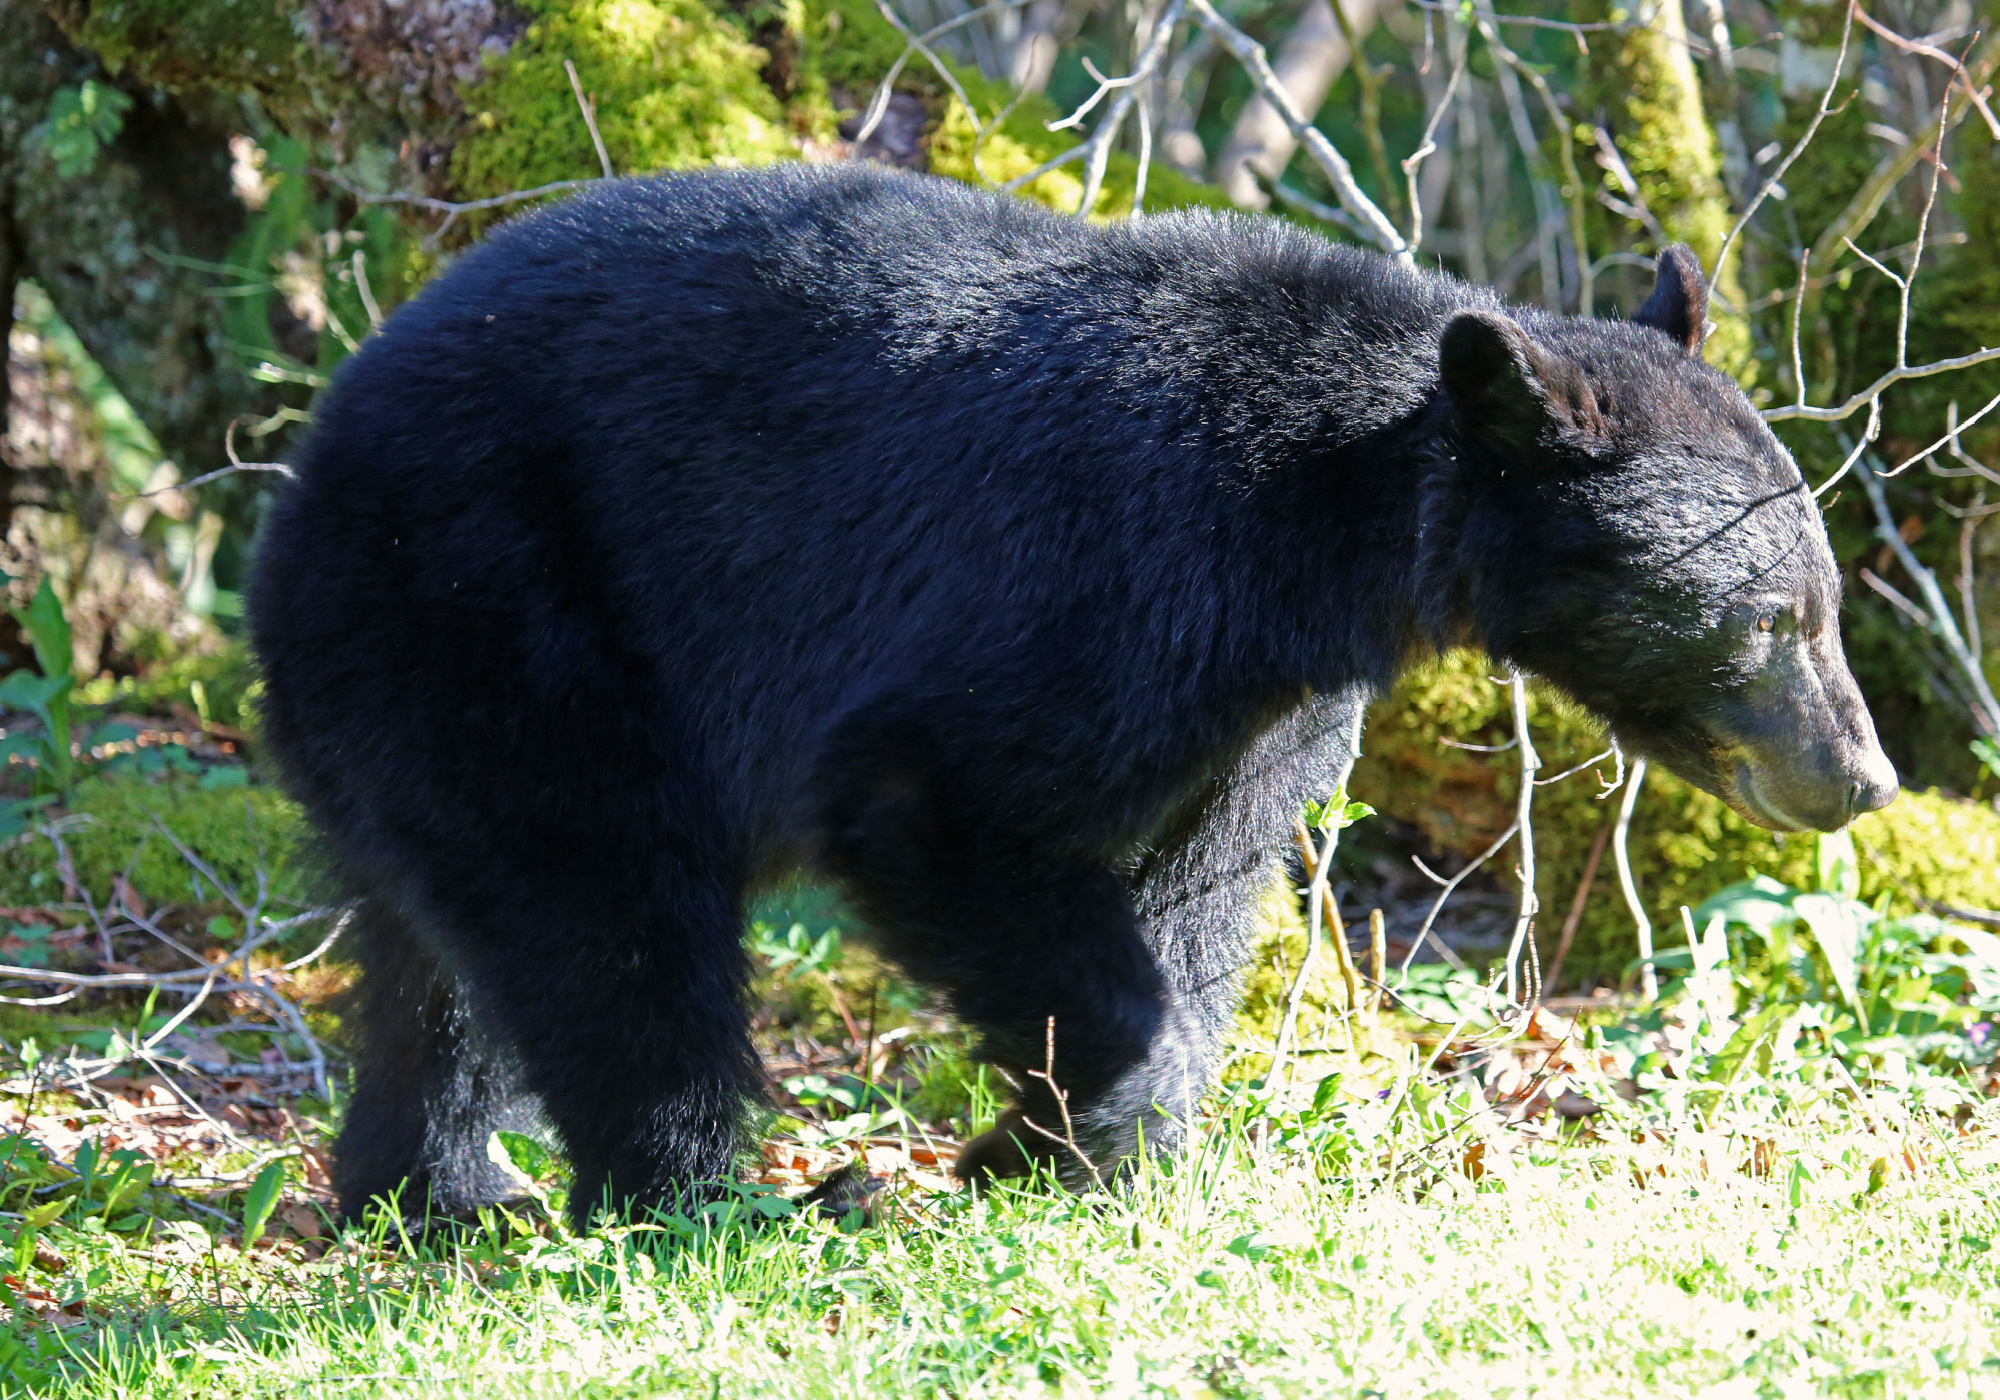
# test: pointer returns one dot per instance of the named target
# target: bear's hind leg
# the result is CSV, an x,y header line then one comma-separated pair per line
x,y
429,1089
626,1009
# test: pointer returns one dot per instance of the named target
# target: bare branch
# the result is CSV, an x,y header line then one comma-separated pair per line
x,y
588,106
1936,618
1250,54
1427,147
1649,979
1524,826
1950,437
1858,401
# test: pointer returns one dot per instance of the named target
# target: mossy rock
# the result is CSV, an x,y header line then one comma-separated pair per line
x,y
235,830
1684,844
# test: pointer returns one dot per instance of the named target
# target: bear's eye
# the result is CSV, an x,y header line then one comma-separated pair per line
x,y
1766,621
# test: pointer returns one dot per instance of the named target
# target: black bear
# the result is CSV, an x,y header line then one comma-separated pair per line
x,y
1022,576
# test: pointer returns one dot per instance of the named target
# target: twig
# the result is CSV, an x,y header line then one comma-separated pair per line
x,y
1445,893
1096,151
878,105
1950,437
1339,173
1369,78
1874,192
1524,826
450,208
1425,148
1575,915
588,106
1047,1074
1940,623
1540,180
1853,404
366,292
1868,435
1772,181
1295,995
1305,204
1577,30
1649,980
1593,760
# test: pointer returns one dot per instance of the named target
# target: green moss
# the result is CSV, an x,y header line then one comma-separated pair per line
x,y
235,830
848,43
177,44
1684,844
1023,141
1646,83
676,87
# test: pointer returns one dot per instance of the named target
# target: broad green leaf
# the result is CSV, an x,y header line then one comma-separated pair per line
x,y
48,629
1838,929
1759,903
1988,753
42,1216
24,690
1839,867
128,1183
15,815
519,1155
1728,1063
261,1200
1979,943
1711,950
525,1162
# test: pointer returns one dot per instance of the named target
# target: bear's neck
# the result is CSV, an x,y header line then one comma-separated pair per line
x,y
1362,576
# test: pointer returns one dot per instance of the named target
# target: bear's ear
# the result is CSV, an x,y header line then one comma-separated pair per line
x,y
1501,382
1679,303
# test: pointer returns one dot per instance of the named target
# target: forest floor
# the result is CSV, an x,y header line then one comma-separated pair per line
x,y
1624,1201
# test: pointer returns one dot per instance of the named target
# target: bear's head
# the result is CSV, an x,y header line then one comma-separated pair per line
x,y
1630,529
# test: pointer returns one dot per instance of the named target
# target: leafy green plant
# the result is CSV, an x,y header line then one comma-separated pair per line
x,y
1869,984
261,1200
536,1170
47,697
82,121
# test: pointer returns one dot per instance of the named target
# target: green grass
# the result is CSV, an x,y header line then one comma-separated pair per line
x,y
1794,1247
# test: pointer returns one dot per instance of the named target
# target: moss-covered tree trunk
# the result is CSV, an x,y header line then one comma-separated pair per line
x,y
112,240
1641,83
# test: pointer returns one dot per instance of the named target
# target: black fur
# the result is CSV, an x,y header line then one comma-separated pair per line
x,y
1021,575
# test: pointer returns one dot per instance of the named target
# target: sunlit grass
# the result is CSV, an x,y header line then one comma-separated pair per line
x,y
1796,1245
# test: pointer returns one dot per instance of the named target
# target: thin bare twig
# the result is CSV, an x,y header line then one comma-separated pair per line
x,y
1096,151
1524,826
1649,979
1805,139
1047,1074
1427,147
1247,51
1445,893
1936,618
1858,401
588,106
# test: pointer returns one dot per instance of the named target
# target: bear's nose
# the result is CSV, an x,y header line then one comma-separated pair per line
x,y
1873,791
